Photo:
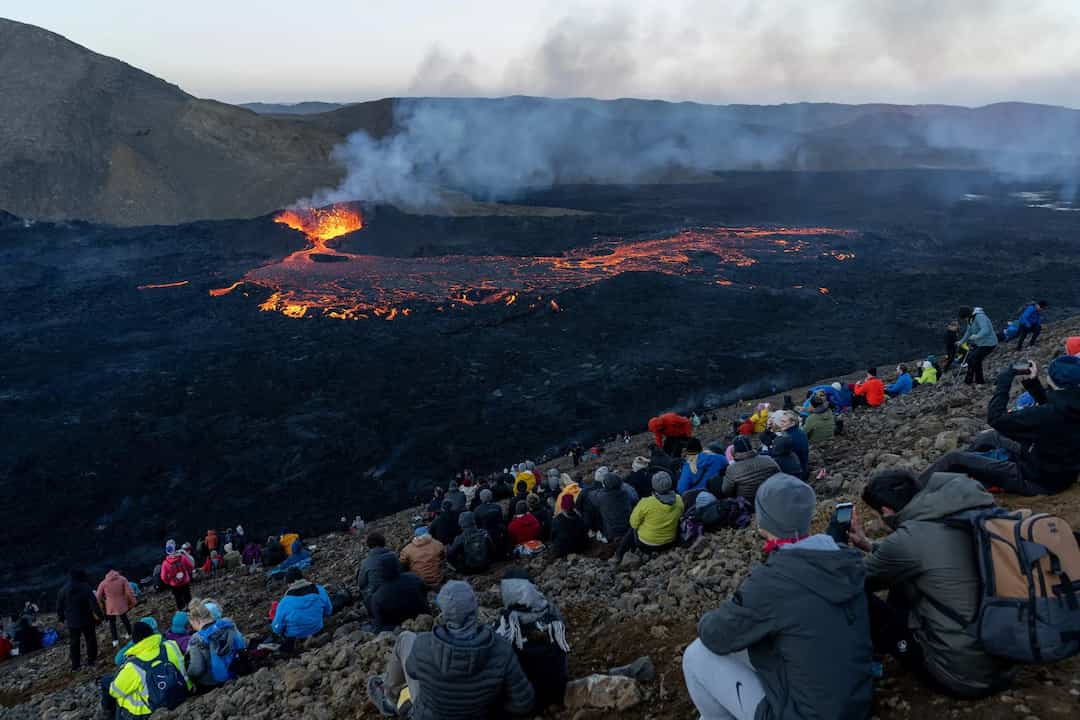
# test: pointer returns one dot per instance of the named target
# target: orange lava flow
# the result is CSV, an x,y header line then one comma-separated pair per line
x,y
320,225
158,286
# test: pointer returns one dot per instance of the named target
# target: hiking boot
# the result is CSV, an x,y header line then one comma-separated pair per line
x,y
376,688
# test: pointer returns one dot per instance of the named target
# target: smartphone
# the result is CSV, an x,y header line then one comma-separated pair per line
x,y
1022,368
843,514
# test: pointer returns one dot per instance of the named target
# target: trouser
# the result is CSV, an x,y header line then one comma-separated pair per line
x,y
182,595
722,687
396,678
108,702
974,361
630,542
76,634
1034,331
1004,474
112,625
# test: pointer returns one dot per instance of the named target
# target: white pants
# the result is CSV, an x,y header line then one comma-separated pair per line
x,y
723,687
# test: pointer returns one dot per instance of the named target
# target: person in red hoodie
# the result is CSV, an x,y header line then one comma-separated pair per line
x,y
116,598
524,527
870,392
211,540
672,431
176,572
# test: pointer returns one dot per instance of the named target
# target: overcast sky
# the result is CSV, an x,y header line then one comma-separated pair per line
x,y
967,52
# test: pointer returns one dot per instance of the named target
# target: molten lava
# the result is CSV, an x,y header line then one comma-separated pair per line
x,y
160,286
321,225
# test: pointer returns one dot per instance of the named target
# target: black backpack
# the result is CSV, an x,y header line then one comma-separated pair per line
x,y
165,684
477,550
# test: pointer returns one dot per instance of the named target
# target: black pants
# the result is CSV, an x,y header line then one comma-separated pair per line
x,y
76,634
112,625
1024,332
182,595
630,543
1004,474
975,358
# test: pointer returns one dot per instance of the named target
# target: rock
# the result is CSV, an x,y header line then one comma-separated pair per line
x,y
659,631
946,441
421,623
607,692
641,670
297,679
630,561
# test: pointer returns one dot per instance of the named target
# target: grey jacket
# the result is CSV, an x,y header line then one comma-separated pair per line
x,y
925,558
465,679
198,664
370,576
980,331
745,475
612,503
803,618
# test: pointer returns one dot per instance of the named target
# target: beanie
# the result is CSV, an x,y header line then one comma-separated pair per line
x,y
704,498
693,445
661,482
1065,371
553,473
742,446
179,623
420,531
467,520
601,473
785,506
485,496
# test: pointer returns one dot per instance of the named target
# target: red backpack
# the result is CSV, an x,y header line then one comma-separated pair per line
x,y
173,572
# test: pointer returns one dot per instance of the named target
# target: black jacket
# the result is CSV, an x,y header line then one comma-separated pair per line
x,y
641,481
369,578
444,527
543,514
1049,431
569,534
76,605
613,505
472,551
400,597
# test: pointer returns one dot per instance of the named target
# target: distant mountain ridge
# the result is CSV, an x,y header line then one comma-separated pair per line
x,y
300,108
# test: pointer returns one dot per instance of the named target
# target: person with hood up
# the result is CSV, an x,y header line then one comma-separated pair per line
x,y
654,522
458,500
569,487
932,574
213,646
870,392
369,577
116,598
1040,441
540,511
820,424
527,477
125,695
301,611
568,531
782,451
760,418
982,340
426,556
929,374
700,469
473,551
524,527
118,659
400,597
533,625
612,505
445,527
903,383
1031,323
794,640
549,489
178,632
489,516
748,472
77,608
459,671
671,432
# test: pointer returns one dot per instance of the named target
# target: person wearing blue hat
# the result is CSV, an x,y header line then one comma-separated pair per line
x,y
1030,451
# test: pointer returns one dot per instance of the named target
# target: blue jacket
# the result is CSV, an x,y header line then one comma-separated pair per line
x,y
801,447
709,465
839,399
980,331
300,613
1031,317
902,386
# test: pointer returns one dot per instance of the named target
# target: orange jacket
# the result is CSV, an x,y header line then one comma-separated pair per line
x,y
211,540
670,425
425,556
1072,345
874,390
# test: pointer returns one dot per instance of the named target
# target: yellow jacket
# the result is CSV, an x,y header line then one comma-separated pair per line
x,y
572,490
760,420
928,377
657,523
528,477
129,685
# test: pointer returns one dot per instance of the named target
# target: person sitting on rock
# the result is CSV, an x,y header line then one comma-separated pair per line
x,y
179,632
640,478
929,374
426,556
794,640
550,488
786,422
1033,451
782,452
473,551
931,572
701,468
569,487
213,646
903,383
760,417
568,531
232,559
118,659
489,517
524,527
126,695
301,611
533,625
820,424
612,505
28,636
458,671
457,498
654,523
369,577
539,510
400,597
671,432
445,527
748,472
435,504
870,392
272,553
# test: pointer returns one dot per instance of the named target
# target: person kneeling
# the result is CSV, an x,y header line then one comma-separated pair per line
x,y
212,647
795,636
301,611
152,677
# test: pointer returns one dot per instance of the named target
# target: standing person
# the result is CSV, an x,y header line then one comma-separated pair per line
x,y
982,340
952,337
794,640
176,572
671,432
77,608
1031,323
115,597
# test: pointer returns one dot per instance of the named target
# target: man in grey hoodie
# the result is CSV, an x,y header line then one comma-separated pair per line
x,y
981,340
932,572
794,641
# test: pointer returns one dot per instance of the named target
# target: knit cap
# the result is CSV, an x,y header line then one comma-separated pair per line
x,y
485,496
420,531
785,506
179,623
704,498
1065,371
661,482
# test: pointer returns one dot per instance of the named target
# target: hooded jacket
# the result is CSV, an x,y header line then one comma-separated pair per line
x,y
572,489
980,331
873,390
902,386
76,605
461,679
369,578
114,594
783,452
128,687
400,597
425,556
698,471
820,424
523,528
670,425
928,377
613,506
924,558
473,550
802,616
656,518
745,476
300,613
1047,433
222,634
569,534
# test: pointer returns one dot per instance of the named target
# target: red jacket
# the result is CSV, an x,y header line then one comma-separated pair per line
x,y
747,428
874,390
177,573
524,528
670,425
211,540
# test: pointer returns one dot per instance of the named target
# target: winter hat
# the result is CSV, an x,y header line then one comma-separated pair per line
x,y
215,609
661,482
612,481
565,480
693,445
467,482
458,604
533,501
640,463
1072,345
420,531
170,547
467,520
292,575
142,630
567,502
785,506
704,498
601,473
742,447
521,508
228,548
837,386
530,465
485,496
1065,371
553,473
179,623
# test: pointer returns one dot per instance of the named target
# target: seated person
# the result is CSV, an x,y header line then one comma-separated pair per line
x,y
612,505
903,383
820,424
400,597
125,695
369,577
472,551
539,510
179,632
301,611
929,567
213,646
700,468
748,472
27,636
929,374
426,556
870,392
654,524
568,531
782,451
524,527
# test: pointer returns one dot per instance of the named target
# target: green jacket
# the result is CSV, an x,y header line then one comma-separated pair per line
x,y
656,521
820,426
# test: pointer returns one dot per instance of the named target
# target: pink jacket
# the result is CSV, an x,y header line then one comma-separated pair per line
x,y
115,594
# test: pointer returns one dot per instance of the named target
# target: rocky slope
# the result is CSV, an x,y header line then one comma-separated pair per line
x,y
615,614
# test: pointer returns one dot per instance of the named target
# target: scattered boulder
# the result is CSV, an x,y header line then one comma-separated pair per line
x,y
606,692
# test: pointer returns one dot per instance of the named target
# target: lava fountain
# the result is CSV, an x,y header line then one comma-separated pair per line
x,y
320,226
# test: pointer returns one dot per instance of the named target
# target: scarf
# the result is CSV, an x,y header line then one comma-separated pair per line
x,y
777,543
526,605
